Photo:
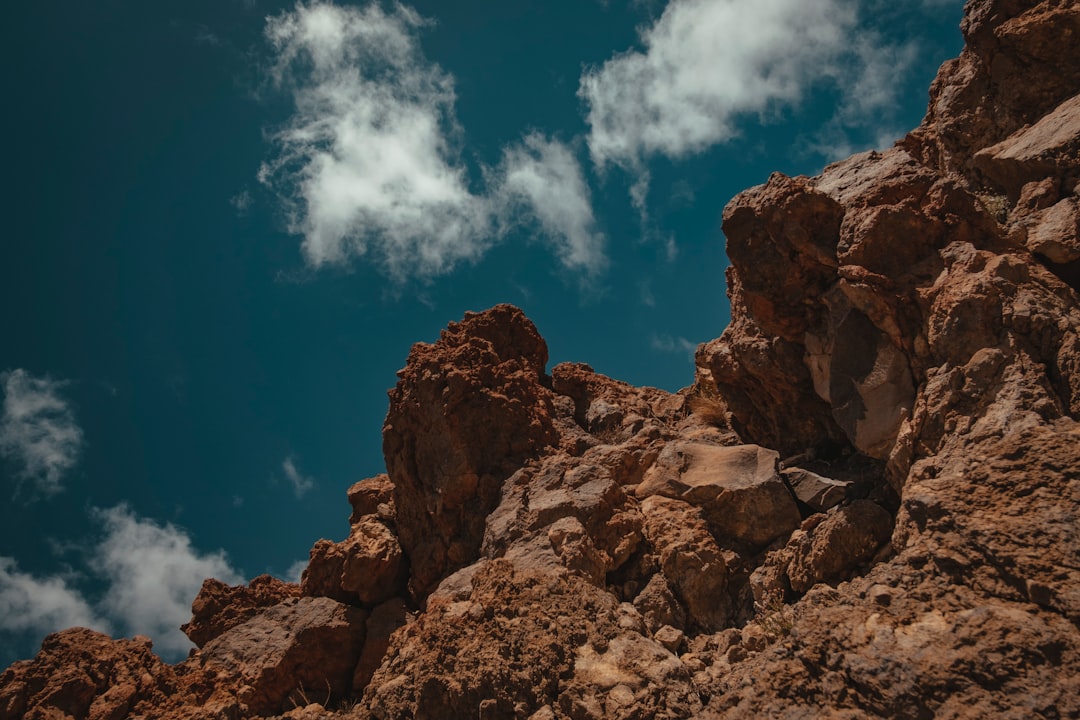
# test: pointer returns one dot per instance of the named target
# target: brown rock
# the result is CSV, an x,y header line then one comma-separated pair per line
x,y
322,576
467,412
303,645
1048,148
373,496
738,488
219,607
658,605
373,566
989,336
693,564
526,644
384,620
847,538
817,492
567,511
1055,232
81,673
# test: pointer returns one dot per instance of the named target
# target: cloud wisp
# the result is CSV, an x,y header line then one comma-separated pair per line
x,y
40,606
150,573
543,179
38,430
299,482
706,64
369,164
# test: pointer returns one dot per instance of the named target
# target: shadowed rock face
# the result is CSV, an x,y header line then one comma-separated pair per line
x,y
865,506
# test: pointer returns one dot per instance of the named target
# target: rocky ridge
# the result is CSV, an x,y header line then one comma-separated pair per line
x,y
866,504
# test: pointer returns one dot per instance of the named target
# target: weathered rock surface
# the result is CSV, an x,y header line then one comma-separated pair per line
x,y
307,646
866,505
80,673
219,607
816,492
738,488
468,411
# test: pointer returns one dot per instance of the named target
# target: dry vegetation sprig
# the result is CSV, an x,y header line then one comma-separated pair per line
x,y
775,617
706,403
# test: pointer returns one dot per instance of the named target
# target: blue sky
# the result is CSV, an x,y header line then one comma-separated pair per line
x,y
228,220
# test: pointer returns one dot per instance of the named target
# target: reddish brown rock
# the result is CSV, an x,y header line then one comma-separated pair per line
x,y
373,496
979,449
738,488
815,491
520,644
367,567
690,559
828,550
219,607
468,411
384,621
374,566
81,673
303,647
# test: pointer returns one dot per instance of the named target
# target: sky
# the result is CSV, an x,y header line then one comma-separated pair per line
x,y
226,222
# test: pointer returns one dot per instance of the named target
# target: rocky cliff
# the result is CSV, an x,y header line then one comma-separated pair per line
x,y
866,505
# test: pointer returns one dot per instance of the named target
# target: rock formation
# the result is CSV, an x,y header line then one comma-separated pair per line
x,y
866,505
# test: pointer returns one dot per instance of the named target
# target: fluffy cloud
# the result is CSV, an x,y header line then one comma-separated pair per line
x,y
300,483
38,431
149,573
368,155
543,179
153,574
40,606
706,63
368,164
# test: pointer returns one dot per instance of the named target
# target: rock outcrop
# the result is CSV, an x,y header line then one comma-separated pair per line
x,y
219,607
866,504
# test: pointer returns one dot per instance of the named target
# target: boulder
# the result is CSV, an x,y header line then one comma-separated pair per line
x,y
692,563
384,620
219,607
305,646
374,566
738,488
817,492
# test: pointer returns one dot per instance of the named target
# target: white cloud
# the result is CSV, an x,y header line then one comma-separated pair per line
x,y
706,63
38,431
42,605
301,483
369,166
543,178
369,153
150,573
153,574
